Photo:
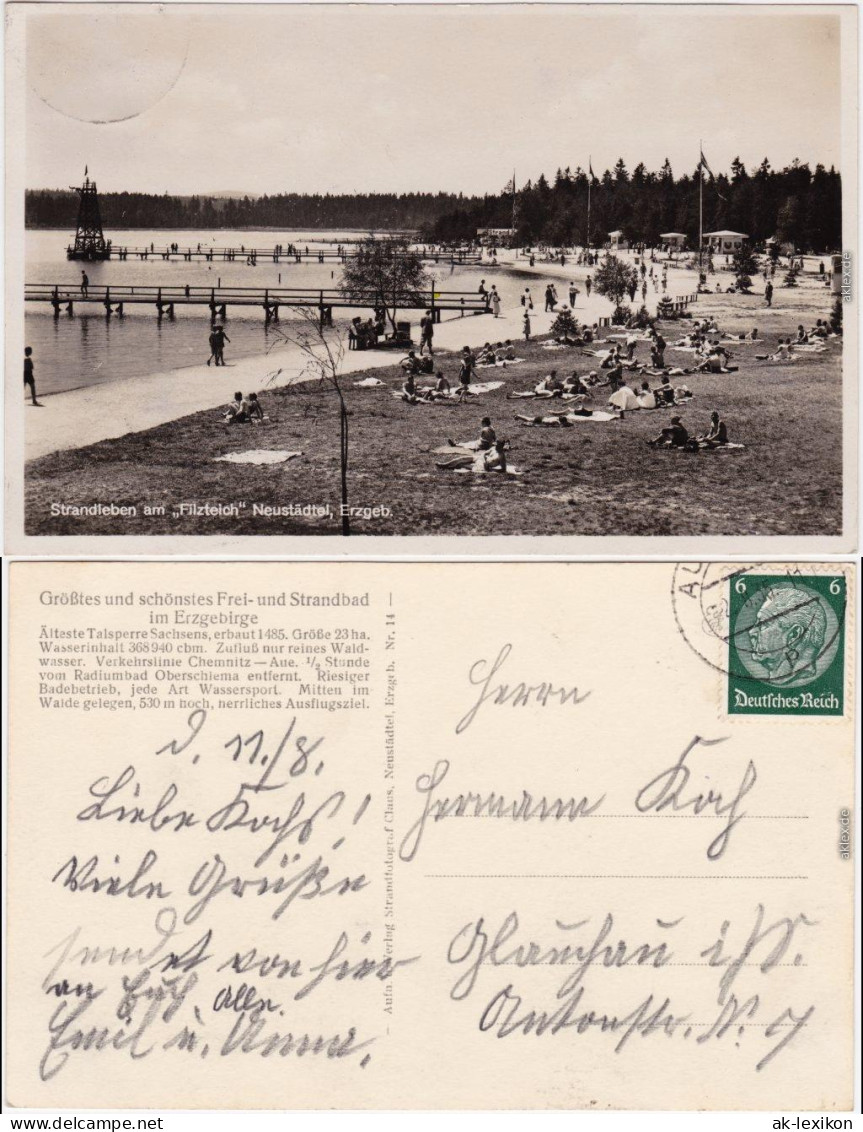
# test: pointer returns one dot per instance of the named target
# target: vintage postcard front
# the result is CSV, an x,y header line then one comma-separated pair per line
x,y
282,273
431,836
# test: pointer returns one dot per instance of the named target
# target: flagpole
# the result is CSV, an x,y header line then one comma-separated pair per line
x,y
589,179
700,203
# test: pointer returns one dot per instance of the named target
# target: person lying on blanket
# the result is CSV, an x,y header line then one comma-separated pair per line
x,y
717,434
489,460
554,420
573,384
551,384
675,436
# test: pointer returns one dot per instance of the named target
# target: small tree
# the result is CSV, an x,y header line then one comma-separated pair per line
x,y
613,278
744,266
385,274
836,315
322,358
564,324
621,314
790,279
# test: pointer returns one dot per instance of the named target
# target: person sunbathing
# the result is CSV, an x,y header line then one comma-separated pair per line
x,y
716,362
441,389
674,436
819,330
717,434
623,399
411,363
573,384
551,385
493,460
554,420
256,413
664,393
802,338
646,396
238,410
488,460
611,359
484,442
409,390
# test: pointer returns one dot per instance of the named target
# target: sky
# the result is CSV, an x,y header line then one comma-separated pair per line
x,y
289,98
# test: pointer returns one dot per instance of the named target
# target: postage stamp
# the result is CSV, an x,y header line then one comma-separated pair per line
x,y
786,644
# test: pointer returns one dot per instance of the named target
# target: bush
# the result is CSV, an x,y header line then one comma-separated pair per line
x,y
641,320
743,283
836,316
565,323
791,277
620,315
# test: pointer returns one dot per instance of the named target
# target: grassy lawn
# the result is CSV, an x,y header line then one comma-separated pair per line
x,y
590,479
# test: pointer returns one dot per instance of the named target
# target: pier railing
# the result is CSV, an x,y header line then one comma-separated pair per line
x,y
283,254
217,299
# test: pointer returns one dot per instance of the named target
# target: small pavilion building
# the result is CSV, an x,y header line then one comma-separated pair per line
x,y
724,242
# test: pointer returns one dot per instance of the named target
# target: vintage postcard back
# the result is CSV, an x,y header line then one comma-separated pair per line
x,y
431,836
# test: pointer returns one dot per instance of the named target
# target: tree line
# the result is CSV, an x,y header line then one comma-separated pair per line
x,y
796,204
48,208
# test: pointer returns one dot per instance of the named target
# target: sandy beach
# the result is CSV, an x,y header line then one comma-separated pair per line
x,y
88,414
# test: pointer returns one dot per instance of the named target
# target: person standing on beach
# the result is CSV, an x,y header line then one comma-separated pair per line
x,y
573,295
495,301
214,343
427,333
588,283
85,283
221,339
28,375
526,326
768,293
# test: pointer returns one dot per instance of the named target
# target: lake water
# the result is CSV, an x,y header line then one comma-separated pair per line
x,y
89,348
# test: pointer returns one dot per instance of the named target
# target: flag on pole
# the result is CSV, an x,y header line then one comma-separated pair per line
x,y
704,165
590,169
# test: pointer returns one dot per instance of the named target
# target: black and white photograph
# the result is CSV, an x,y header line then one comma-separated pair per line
x,y
521,276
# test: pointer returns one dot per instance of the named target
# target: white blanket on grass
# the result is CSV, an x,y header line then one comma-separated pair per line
x,y
258,456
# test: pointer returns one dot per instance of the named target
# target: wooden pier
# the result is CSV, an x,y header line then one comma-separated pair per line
x,y
281,254
65,297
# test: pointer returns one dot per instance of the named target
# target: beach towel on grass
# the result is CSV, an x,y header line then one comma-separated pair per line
x,y
473,390
500,365
369,383
598,415
258,456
